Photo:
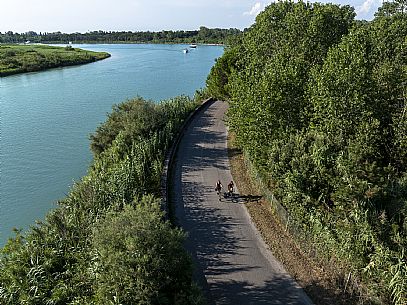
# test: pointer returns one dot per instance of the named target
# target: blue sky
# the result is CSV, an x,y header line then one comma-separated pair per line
x,y
140,15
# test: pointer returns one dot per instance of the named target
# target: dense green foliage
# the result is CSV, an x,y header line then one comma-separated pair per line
x,y
28,58
140,259
203,35
318,103
107,242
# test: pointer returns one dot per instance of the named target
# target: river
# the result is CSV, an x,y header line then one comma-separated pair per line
x,y
46,118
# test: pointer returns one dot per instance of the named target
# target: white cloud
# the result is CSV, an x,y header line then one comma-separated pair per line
x,y
256,9
368,6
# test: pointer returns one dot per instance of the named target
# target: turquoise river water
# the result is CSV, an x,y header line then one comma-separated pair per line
x,y
46,118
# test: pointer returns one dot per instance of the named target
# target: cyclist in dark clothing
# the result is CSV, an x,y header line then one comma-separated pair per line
x,y
230,188
218,189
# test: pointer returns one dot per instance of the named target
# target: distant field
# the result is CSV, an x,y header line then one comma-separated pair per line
x,y
28,58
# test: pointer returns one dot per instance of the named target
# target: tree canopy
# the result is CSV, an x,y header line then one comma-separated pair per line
x,y
318,104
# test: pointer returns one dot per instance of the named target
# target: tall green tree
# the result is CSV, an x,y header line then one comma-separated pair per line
x,y
318,104
278,51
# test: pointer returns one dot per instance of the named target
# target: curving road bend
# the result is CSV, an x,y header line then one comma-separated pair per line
x,y
233,264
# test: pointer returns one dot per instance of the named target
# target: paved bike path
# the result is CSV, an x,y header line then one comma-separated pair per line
x,y
233,263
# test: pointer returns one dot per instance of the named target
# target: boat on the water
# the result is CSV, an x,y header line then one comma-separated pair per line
x,y
192,46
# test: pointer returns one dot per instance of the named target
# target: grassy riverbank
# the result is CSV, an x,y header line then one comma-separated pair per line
x,y
16,59
107,242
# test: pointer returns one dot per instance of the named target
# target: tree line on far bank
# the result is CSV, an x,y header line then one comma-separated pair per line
x,y
203,35
318,105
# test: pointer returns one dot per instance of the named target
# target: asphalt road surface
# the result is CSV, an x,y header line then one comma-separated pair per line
x,y
232,262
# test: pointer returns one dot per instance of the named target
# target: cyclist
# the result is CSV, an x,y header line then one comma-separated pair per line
x,y
230,188
218,189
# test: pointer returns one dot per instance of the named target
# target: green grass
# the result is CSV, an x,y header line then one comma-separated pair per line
x,y
28,58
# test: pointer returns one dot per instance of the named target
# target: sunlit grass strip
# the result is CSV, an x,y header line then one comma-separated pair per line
x,y
16,59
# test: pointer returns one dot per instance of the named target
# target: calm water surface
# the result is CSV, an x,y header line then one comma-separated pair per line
x,y
46,118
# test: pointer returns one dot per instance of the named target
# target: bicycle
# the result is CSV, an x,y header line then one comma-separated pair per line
x,y
219,193
230,192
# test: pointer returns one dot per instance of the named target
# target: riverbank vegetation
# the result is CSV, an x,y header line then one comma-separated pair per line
x,y
203,35
108,242
318,105
28,58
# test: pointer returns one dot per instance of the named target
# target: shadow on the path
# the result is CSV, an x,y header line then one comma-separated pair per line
x,y
277,291
203,154
237,198
212,239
